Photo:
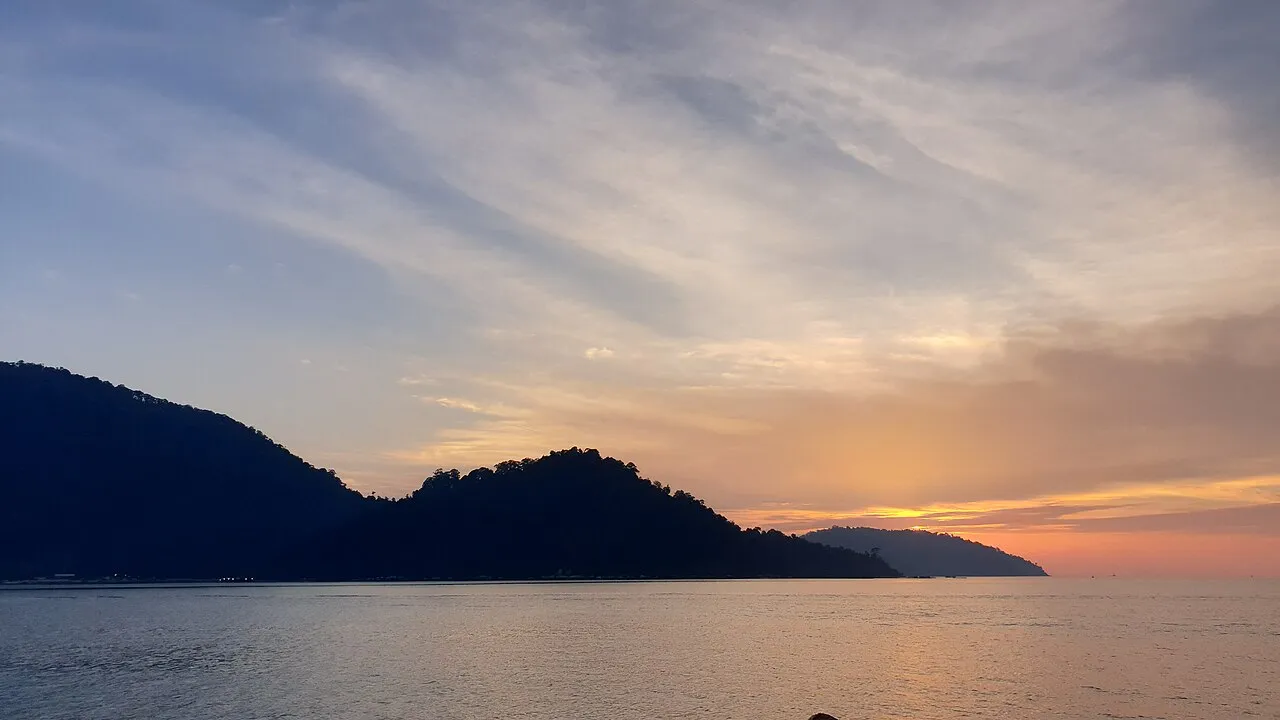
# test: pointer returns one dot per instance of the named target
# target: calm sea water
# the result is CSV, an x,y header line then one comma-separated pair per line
x,y
919,649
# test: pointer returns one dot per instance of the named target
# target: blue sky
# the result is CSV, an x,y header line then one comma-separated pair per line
x,y
808,261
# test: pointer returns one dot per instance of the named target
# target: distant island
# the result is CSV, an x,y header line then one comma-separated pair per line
x,y
100,481
920,553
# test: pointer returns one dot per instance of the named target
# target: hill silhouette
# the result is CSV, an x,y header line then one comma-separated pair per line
x,y
98,480
922,553
572,513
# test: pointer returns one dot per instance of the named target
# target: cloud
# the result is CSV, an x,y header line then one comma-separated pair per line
x,y
758,180
456,404
497,411
597,353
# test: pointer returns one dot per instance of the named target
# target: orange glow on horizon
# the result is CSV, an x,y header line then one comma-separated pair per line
x,y
1058,536
1089,554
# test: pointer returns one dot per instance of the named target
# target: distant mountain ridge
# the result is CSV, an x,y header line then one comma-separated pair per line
x,y
918,553
98,480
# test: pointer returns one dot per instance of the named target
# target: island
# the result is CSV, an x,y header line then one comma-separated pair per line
x,y
921,553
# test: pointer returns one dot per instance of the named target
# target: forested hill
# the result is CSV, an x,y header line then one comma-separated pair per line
x,y
572,513
923,553
98,480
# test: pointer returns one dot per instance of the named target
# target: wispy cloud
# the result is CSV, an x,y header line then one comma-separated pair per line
x,y
1239,505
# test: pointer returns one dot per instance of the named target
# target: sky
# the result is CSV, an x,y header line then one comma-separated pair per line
x,y
1001,269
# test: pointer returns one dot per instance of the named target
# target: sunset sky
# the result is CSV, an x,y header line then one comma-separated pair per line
x,y
1005,269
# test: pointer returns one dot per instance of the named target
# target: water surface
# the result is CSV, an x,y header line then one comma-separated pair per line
x,y
919,649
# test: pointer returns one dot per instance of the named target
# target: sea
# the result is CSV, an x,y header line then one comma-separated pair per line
x,y
936,649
